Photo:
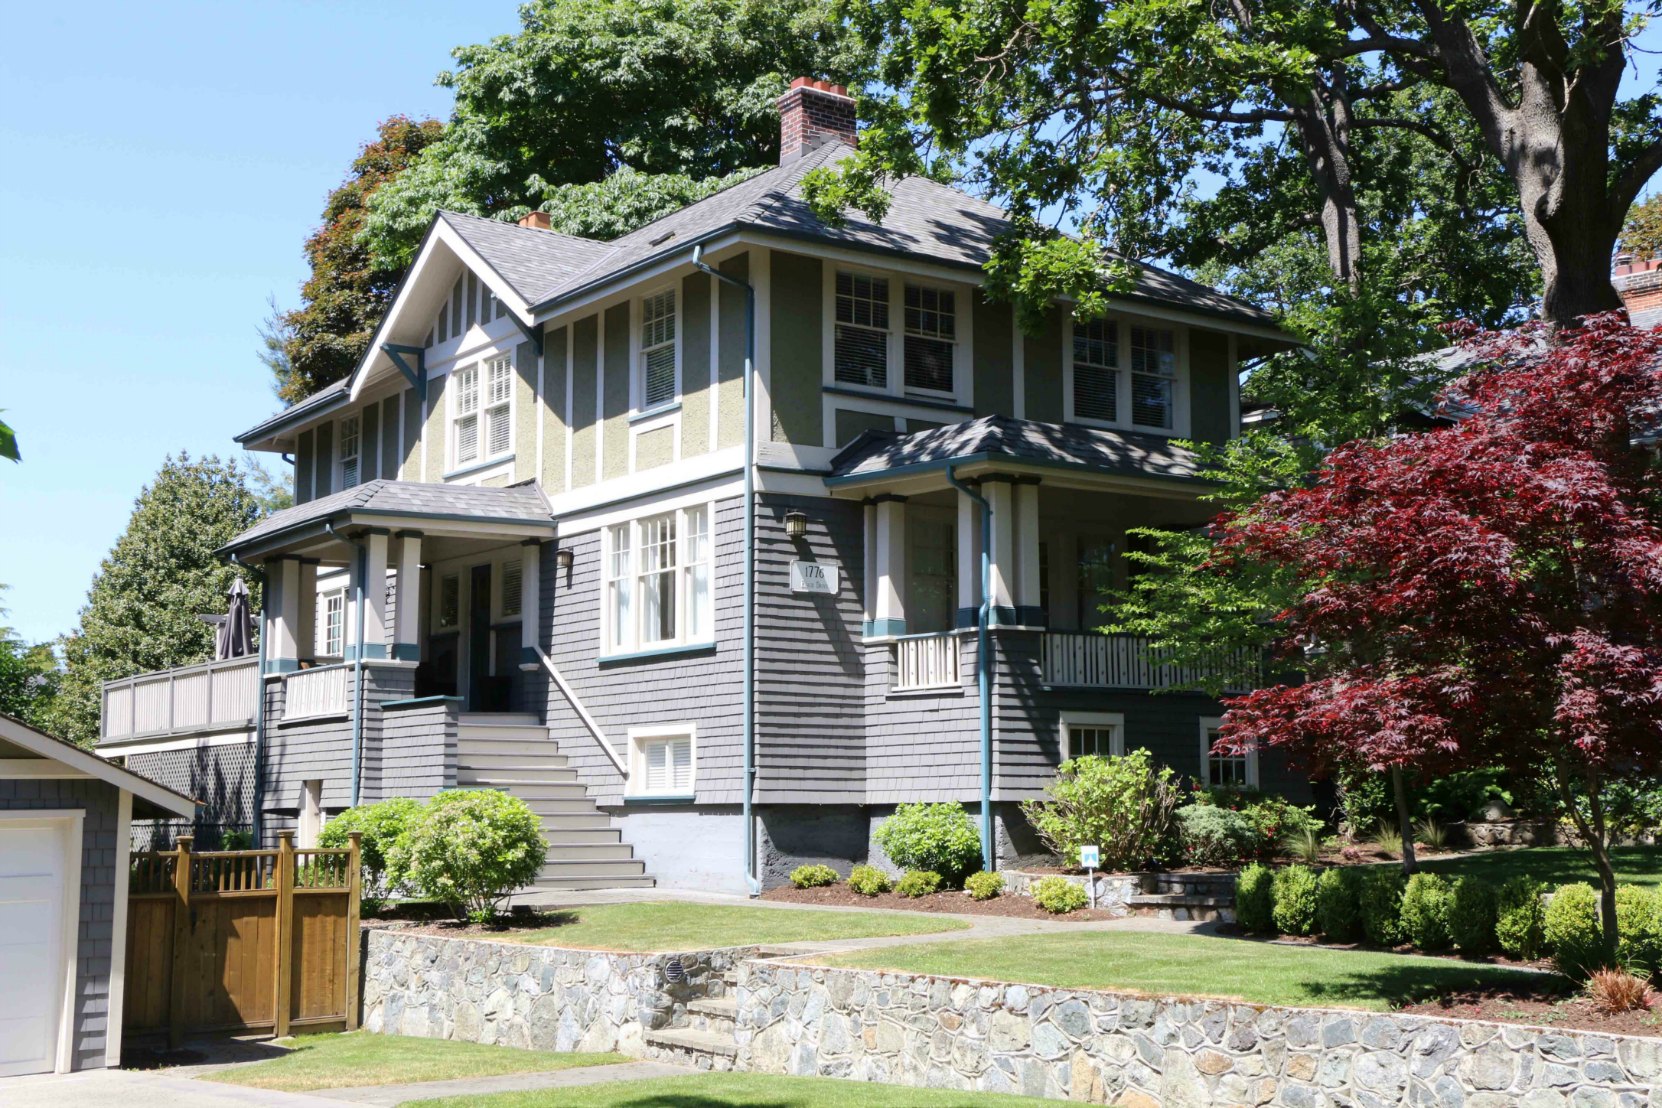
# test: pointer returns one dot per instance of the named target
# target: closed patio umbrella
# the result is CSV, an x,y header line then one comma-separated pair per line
x,y
235,638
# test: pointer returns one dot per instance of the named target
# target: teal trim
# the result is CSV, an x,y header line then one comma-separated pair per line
x,y
410,702
1003,459
1004,615
416,375
887,628
1032,616
687,799
476,467
527,655
660,652
406,652
889,397
366,650
653,413
531,331
282,665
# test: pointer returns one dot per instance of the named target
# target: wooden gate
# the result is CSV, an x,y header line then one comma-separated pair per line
x,y
242,940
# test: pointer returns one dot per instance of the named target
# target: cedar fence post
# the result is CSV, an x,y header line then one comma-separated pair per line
x,y
283,956
181,941
354,879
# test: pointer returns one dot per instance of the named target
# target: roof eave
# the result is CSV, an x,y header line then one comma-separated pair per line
x,y
912,469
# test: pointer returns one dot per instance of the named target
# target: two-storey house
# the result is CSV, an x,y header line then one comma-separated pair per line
x,y
688,538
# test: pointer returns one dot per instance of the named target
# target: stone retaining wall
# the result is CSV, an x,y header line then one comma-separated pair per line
x,y
536,997
1113,890
1143,1052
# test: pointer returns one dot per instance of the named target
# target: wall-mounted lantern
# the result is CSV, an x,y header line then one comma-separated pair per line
x,y
796,524
563,557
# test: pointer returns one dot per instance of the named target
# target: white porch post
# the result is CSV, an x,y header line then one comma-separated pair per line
x,y
305,628
283,654
406,645
1003,549
1029,612
870,579
530,599
889,618
969,560
375,596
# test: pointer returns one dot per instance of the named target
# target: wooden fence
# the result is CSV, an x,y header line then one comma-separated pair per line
x,y
242,940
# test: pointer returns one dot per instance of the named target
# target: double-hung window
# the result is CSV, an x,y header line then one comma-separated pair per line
x,y
334,623
865,341
1098,734
1096,375
483,425
1225,771
931,334
1124,374
347,451
658,573
1153,378
663,761
656,377
862,335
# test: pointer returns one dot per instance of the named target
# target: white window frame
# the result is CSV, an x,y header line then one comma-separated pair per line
x,y
610,644
895,388
1093,721
357,456
1122,393
642,737
332,598
481,371
499,581
637,330
1208,724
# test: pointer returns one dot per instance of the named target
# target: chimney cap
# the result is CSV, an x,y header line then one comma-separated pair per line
x,y
817,86
540,221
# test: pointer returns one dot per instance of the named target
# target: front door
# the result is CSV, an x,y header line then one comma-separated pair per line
x,y
32,940
481,688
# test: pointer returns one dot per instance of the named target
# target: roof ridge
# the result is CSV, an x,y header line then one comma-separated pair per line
x,y
516,226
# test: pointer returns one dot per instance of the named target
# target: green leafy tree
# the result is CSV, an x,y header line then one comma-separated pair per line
x,y
8,442
141,611
321,341
28,676
587,87
1642,233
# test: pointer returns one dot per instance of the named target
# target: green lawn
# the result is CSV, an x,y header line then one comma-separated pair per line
x,y
360,1058
1196,965
1555,865
730,1090
655,926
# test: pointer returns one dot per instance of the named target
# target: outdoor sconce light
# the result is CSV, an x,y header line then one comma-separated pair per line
x,y
796,524
563,557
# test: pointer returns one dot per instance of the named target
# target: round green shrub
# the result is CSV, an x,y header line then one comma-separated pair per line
x,y
1294,892
918,882
1572,931
383,826
1255,899
1472,911
813,876
1380,899
868,880
937,837
1520,918
1639,930
1213,836
984,885
1058,895
1425,911
1122,805
1338,905
471,848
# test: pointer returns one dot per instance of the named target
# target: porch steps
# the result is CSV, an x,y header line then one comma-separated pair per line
x,y
705,1037
513,753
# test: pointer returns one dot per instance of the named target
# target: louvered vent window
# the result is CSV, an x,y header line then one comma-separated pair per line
x,y
513,583
1153,377
666,765
348,451
862,337
931,333
1096,374
657,368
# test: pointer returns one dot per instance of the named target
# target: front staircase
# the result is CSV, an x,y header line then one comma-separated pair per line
x,y
514,754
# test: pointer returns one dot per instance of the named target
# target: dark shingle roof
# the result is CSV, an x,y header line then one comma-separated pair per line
x,y
531,260
1068,445
522,503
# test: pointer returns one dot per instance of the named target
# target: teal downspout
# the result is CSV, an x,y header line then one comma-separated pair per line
x,y
259,713
983,665
357,662
748,693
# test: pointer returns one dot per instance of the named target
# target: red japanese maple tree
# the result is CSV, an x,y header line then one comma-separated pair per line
x,y
1485,593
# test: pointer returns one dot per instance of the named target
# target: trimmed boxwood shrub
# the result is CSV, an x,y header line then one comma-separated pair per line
x,y
1255,899
1639,930
813,876
1425,910
1380,899
940,838
918,882
1572,930
1212,836
382,827
984,885
868,880
1338,907
1058,895
1520,918
472,847
1294,890
1472,911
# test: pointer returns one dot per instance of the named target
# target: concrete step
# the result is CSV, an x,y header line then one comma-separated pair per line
x,y
487,756
500,719
579,826
718,1015
586,867
467,739
535,746
515,779
534,792
587,884
566,849
575,805
703,1049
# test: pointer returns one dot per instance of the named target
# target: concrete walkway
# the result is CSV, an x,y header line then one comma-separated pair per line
x,y
389,1095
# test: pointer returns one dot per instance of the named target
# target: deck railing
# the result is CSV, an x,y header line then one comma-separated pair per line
x,y
189,698
1089,660
926,662
314,692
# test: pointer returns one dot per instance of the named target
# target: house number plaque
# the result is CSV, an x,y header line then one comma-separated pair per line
x,y
811,577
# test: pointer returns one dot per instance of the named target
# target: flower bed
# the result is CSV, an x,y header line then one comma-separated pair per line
x,y
951,900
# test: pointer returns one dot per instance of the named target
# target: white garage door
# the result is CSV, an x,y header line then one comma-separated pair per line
x,y
31,946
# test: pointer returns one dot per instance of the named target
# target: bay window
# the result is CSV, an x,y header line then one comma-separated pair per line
x,y
658,575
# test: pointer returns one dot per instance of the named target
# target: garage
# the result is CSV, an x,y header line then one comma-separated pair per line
x,y
65,832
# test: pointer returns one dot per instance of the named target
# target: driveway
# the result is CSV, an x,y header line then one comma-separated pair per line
x,y
142,1089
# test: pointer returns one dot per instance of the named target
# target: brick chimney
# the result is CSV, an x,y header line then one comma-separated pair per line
x,y
1638,282
812,113
541,221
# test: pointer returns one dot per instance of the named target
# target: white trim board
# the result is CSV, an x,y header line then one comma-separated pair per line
x,y
38,742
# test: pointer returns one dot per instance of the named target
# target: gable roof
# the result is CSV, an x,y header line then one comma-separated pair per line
x,y
880,454
42,745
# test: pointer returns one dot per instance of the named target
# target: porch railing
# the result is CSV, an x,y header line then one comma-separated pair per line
x,y
189,698
1088,660
926,662
314,692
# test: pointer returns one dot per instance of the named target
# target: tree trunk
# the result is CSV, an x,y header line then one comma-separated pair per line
x,y
1399,792
1322,117
1594,831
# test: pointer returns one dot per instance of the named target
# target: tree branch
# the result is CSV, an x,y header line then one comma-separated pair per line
x,y
1630,180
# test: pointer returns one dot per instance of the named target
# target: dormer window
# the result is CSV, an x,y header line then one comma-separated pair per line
x,y
347,451
656,380
482,414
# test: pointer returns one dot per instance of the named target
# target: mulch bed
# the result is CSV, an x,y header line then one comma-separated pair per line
x,y
959,903
1571,1012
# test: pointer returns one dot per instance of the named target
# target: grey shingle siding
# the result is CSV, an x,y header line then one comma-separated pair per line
x,y
415,750
95,936
921,745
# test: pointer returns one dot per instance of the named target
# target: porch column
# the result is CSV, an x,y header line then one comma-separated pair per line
x,y
969,560
283,616
305,628
998,497
375,596
869,582
406,645
530,599
1029,612
889,614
